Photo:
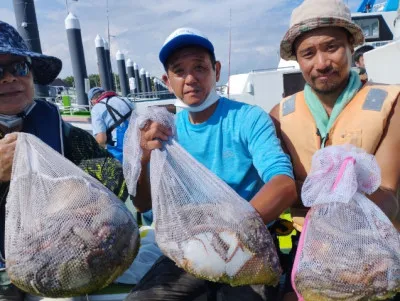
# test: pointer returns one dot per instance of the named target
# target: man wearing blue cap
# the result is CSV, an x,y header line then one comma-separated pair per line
x,y
110,117
19,112
234,140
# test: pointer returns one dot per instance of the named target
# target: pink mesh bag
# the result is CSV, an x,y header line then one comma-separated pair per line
x,y
349,249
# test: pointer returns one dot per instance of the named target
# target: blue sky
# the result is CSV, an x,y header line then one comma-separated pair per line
x,y
141,26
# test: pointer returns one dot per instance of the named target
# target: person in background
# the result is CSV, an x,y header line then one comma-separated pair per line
x,y
236,141
110,118
358,55
335,107
358,58
20,68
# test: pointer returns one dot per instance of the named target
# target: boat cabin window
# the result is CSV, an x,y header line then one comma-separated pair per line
x,y
375,28
370,28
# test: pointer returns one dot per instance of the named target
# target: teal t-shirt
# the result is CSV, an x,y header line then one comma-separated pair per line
x,y
238,143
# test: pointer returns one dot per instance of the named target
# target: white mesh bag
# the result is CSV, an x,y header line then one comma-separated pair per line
x,y
348,249
66,234
200,222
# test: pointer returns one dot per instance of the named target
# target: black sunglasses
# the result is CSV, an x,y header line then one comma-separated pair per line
x,y
21,68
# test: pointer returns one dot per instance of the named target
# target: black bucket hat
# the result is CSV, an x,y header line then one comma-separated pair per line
x,y
45,68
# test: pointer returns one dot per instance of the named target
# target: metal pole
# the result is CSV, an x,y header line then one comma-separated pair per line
x,y
107,47
148,84
77,57
25,17
131,75
123,80
108,24
109,67
143,80
155,87
137,79
129,67
230,46
101,58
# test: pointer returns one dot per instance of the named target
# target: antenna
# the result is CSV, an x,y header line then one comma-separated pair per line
x,y
230,44
108,26
66,5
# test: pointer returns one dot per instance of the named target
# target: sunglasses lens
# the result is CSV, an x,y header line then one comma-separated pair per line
x,y
16,69
21,69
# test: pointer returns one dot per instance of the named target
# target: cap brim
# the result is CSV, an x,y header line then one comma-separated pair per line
x,y
45,68
181,41
286,47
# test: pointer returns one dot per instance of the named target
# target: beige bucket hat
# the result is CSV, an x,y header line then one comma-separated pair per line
x,y
312,14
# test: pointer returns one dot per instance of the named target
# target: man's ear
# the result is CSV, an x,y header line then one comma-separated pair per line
x,y
166,81
217,70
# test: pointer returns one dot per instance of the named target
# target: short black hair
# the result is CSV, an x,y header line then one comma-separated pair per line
x,y
360,52
211,54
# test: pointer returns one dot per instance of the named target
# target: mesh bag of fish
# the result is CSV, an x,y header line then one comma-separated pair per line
x,y
66,234
200,222
349,249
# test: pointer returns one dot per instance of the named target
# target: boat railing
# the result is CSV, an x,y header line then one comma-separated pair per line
x,y
73,108
149,96
273,69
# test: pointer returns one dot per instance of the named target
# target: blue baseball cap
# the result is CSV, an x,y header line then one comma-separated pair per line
x,y
92,92
45,68
184,37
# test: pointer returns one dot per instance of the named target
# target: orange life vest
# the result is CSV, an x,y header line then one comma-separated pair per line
x,y
361,123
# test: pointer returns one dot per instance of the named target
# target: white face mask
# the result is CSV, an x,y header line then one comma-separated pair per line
x,y
12,121
211,98
208,102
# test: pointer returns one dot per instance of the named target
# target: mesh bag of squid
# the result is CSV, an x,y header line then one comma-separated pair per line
x,y
66,234
348,249
200,222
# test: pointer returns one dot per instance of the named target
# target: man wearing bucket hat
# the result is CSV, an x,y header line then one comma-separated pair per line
x,y
19,112
335,107
209,127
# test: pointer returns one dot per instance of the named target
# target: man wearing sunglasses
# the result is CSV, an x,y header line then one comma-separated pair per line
x,y
19,112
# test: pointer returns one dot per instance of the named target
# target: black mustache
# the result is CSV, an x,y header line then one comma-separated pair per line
x,y
325,71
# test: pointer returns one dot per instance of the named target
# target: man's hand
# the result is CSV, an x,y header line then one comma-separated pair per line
x,y
150,138
101,139
7,149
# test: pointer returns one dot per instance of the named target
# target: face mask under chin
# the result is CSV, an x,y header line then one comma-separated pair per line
x,y
11,122
208,102
211,98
